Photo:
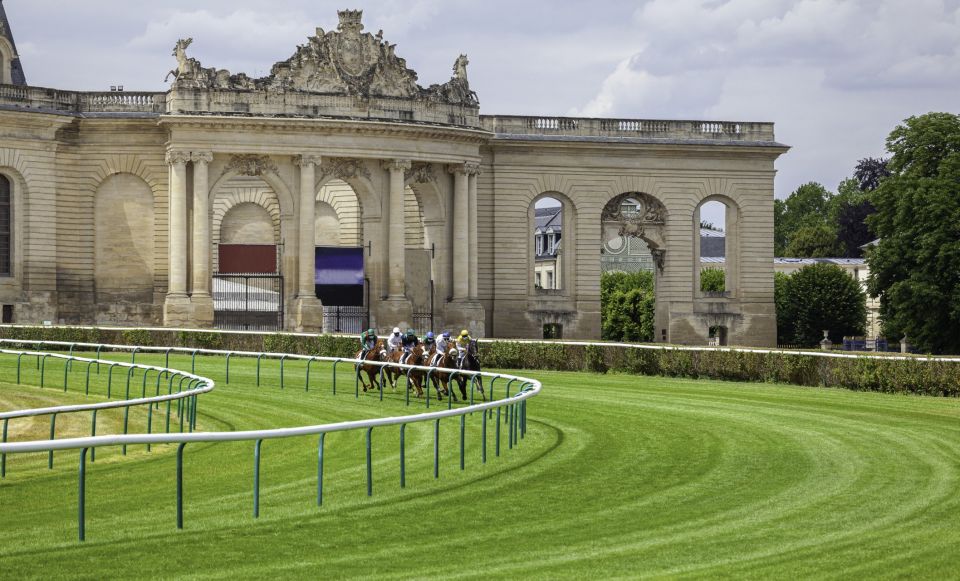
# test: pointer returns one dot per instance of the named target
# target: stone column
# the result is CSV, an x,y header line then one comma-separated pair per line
x,y
176,309
461,232
473,173
396,243
308,309
201,300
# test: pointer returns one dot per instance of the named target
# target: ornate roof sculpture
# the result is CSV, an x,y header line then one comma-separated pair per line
x,y
347,61
16,69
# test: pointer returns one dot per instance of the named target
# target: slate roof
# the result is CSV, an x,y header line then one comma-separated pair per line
x,y
549,218
16,70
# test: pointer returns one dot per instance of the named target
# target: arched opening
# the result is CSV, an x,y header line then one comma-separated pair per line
x,y
124,248
247,223
6,70
341,280
547,240
716,264
631,264
6,226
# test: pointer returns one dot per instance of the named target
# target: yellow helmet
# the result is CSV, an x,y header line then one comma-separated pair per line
x,y
464,333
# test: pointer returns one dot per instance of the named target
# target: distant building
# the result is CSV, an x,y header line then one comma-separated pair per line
x,y
547,242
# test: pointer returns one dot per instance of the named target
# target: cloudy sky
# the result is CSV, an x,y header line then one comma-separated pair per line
x,y
834,75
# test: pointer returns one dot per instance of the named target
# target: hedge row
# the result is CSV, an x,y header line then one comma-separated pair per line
x,y
881,374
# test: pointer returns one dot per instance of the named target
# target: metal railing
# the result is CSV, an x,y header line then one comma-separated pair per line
x,y
515,406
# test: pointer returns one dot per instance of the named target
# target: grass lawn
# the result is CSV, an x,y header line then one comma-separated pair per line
x,y
617,476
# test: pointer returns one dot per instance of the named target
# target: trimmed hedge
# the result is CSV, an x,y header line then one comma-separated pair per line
x,y
867,373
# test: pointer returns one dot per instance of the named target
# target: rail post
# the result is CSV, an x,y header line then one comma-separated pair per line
x,y
93,434
320,469
99,349
3,457
403,456
133,356
129,374
436,448
193,361
483,439
53,428
426,386
43,367
149,423
166,359
256,478
66,370
334,374
306,381
259,357
126,420
86,388
110,379
463,431
281,370
143,385
19,357
369,462
180,485
82,496
498,432
228,367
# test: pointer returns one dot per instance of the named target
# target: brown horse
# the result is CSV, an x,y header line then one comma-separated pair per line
x,y
447,360
378,353
416,376
394,372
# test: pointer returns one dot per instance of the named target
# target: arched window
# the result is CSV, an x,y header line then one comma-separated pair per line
x,y
6,227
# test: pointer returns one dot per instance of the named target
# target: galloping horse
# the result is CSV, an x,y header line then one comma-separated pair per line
x,y
417,357
471,362
447,360
378,353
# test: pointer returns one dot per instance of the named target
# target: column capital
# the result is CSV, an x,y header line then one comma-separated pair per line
x,y
175,156
467,168
397,164
201,156
305,160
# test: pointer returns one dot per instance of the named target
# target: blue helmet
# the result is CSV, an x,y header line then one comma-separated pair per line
x,y
430,335
446,334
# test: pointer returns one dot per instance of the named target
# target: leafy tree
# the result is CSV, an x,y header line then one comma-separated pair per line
x,y
713,280
805,208
784,318
815,240
852,229
822,297
627,304
869,172
915,267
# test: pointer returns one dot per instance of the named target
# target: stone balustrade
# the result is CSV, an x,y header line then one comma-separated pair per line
x,y
44,99
639,128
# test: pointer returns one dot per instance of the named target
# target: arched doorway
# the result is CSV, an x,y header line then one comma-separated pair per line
x,y
633,251
341,281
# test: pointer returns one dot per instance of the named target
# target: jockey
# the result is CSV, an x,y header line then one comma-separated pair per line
x,y
393,342
407,343
368,340
444,342
429,342
463,342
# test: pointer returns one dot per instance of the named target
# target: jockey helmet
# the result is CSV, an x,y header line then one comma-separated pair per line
x,y
464,333
430,335
371,333
411,333
446,334
396,330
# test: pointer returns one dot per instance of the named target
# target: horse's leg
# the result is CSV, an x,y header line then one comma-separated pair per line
x,y
462,382
483,396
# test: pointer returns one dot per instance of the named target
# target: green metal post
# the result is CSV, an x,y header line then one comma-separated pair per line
x,y
133,356
193,361
43,368
228,367
66,370
320,470
281,370
149,422
93,434
256,478
166,359
110,379
3,457
53,428
463,431
436,448
369,462
82,496
403,456
19,357
427,387
129,374
143,386
259,357
180,485
483,438
126,419
99,349
86,389
498,432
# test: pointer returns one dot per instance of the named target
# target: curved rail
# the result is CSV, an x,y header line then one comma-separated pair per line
x,y
516,420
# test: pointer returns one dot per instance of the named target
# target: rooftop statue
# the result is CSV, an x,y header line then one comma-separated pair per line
x,y
347,61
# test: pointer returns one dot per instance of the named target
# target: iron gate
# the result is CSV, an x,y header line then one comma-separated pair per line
x,y
423,321
348,319
248,302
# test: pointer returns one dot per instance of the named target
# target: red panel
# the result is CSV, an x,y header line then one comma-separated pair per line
x,y
248,258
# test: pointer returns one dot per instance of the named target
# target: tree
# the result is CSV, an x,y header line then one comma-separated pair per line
x,y
816,240
823,297
869,172
784,318
804,208
627,304
915,267
713,280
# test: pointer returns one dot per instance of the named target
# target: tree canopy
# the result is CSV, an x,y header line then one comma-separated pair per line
x,y
915,267
816,298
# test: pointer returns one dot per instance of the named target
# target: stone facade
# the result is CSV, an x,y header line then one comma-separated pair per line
x,y
120,199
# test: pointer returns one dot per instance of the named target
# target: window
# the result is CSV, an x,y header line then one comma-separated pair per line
x,y
539,244
553,242
5,227
538,281
550,279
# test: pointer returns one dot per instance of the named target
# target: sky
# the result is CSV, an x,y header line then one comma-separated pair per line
x,y
835,76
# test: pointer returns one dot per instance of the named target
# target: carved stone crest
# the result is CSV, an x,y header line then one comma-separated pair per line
x,y
251,165
343,168
421,173
635,211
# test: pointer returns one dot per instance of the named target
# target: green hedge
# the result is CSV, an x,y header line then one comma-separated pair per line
x,y
868,373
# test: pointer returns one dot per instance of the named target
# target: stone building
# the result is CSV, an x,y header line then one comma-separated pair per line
x,y
133,207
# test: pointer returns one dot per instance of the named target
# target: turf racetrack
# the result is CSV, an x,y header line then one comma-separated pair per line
x,y
617,476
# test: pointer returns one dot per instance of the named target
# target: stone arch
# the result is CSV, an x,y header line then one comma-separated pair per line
x,y
124,258
130,164
648,222
363,188
248,223
18,197
429,198
236,192
282,193
732,245
568,258
337,208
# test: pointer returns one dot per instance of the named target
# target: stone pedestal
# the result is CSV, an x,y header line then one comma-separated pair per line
x,y
394,312
178,311
202,305
308,314
466,314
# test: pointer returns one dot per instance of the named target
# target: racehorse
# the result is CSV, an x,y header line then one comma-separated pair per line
x,y
378,353
471,362
446,360
416,376
392,372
